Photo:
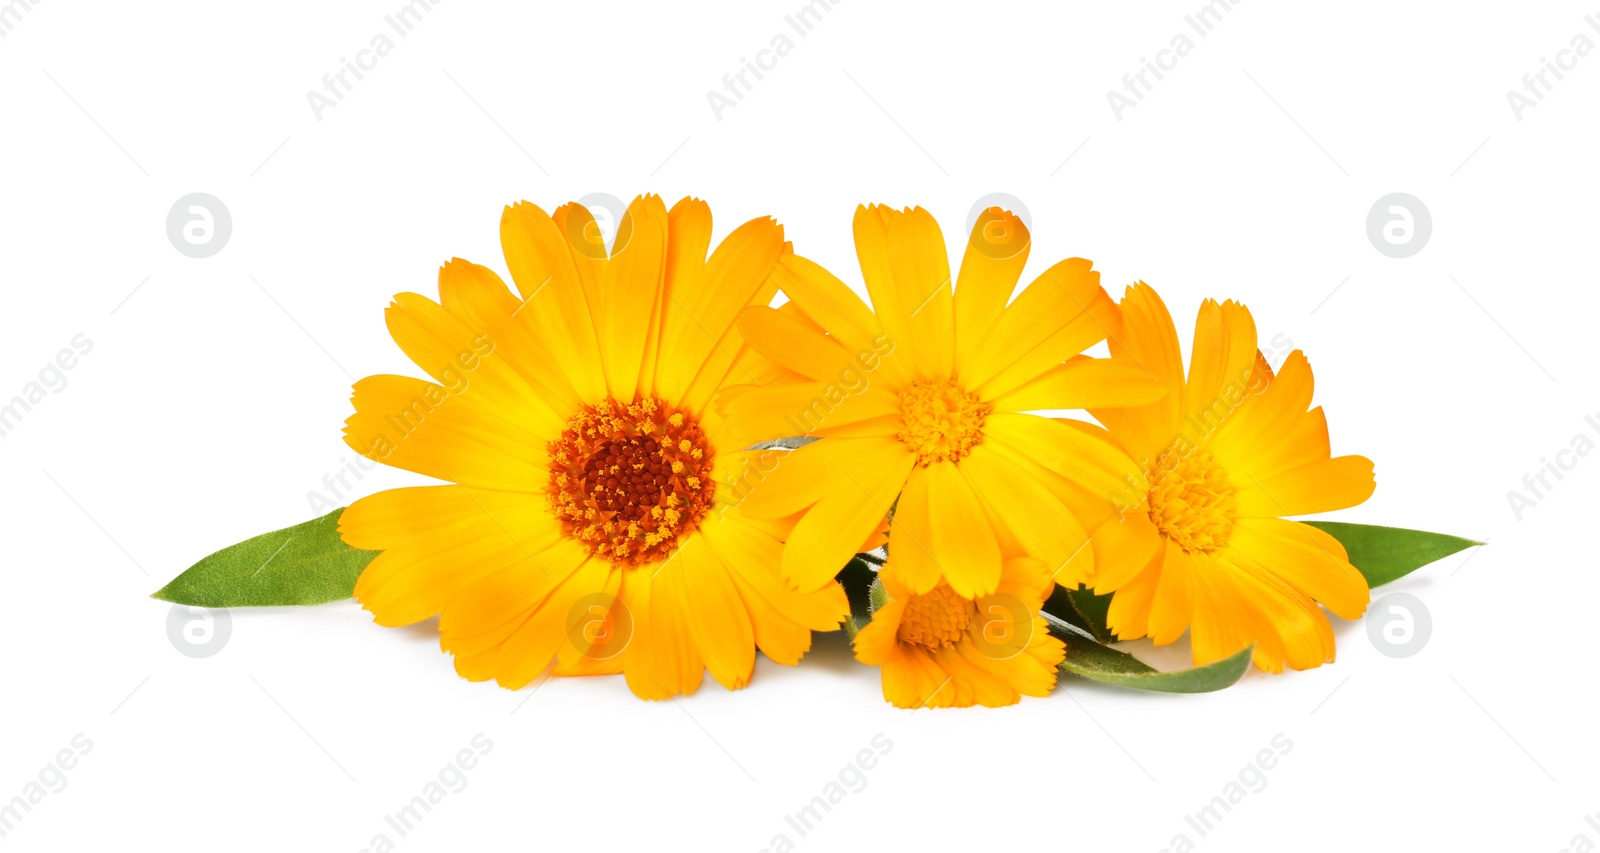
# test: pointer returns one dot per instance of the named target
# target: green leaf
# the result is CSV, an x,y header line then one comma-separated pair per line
x,y
1089,659
304,564
1081,607
858,577
1385,554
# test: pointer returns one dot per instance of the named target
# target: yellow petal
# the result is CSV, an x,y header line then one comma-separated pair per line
x,y
662,660
640,665
1041,524
1226,619
911,555
497,599
1094,464
1023,674
388,518
477,296
907,273
911,679
798,346
586,245
753,556
1129,614
597,630
698,321
1308,559
1329,484
1173,606
630,291
1222,366
862,492
1123,546
875,642
784,482
1301,626
961,540
463,359
834,306
1029,579
974,678
540,259
718,619
416,578
732,362
681,349
1060,314
765,412
530,651
996,253
781,639
421,427
1272,431
1147,339
1084,383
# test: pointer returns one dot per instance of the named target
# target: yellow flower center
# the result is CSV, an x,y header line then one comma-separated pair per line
x,y
1191,500
630,480
939,421
935,619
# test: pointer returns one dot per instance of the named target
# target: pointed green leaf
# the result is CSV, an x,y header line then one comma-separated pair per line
x,y
1384,554
1081,607
304,564
1088,659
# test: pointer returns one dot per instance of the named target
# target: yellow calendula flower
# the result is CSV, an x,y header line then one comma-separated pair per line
x,y
1224,456
922,403
588,525
938,649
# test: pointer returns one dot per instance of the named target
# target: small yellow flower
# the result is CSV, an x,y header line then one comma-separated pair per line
x,y
1223,456
938,649
588,525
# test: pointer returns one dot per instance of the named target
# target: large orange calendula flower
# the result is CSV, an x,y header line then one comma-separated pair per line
x,y
938,649
922,402
1224,456
587,526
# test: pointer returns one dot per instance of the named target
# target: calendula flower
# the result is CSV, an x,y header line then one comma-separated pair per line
x,y
587,525
926,401
939,649
1224,456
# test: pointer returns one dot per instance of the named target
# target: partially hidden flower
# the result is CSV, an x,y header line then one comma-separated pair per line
x,y
938,649
587,526
924,403
1232,449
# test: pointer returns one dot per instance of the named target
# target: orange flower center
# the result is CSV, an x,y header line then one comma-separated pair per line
x,y
631,480
939,421
936,619
1192,500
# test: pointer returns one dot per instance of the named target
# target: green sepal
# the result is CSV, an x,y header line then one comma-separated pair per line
x,y
1082,608
878,595
859,577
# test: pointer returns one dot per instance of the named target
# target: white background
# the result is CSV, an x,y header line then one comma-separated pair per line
x,y
212,400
